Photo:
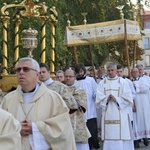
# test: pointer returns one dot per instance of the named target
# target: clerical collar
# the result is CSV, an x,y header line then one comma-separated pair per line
x,y
73,85
141,75
81,77
100,77
114,78
31,90
136,79
27,97
124,77
49,81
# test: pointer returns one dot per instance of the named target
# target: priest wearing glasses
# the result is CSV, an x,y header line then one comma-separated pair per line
x,y
43,115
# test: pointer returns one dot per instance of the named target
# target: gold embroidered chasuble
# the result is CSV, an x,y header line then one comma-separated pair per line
x,y
78,120
115,116
63,90
72,96
50,114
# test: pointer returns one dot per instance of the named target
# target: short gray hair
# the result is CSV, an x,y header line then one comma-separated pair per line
x,y
35,64
112,64
139,65
60,71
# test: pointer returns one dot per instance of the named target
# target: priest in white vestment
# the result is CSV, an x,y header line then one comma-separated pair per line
x,y
141,124
115,98
44,117
10,128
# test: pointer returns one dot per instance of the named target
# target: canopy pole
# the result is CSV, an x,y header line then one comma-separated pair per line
x,y
126,48
75,54
134,54
91,58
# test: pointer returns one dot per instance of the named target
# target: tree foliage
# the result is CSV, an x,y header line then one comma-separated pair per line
x,y
97,11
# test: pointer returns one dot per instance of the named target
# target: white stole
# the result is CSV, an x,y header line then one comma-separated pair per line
x,y
36,139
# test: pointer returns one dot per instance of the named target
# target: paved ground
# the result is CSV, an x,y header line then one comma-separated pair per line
x,y
142,147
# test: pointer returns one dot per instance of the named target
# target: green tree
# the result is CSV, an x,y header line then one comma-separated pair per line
x,y
97,11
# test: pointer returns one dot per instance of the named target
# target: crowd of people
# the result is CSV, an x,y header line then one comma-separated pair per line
x,y
68,112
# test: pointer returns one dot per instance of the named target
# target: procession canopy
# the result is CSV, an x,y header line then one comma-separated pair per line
x,y
102,32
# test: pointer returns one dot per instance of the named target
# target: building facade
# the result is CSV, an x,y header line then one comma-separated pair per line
x,y
145,42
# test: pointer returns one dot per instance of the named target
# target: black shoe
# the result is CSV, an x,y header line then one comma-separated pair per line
x,y
145,141
136,144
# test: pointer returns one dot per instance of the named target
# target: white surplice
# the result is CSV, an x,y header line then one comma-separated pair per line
x,y
89,85
133,96
141,124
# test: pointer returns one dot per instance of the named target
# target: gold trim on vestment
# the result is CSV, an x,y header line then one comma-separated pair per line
x,y
101,100
127,100
112,121
111,90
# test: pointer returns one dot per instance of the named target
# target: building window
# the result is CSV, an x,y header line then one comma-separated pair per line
x,y
146,43
147,60
147,25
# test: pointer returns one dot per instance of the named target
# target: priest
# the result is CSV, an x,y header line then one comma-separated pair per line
x,y
115,98
43,115
9,132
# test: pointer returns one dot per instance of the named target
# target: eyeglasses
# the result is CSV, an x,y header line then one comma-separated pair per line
x,y
69,76
25,69
59,77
